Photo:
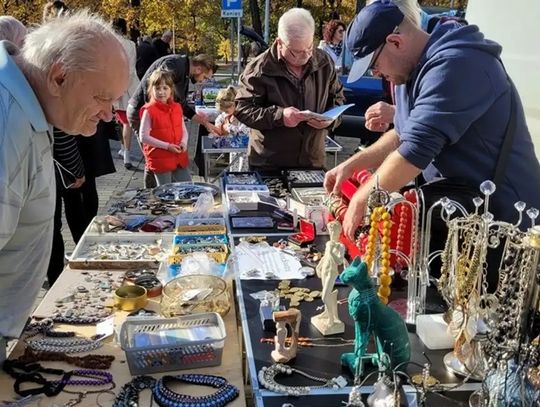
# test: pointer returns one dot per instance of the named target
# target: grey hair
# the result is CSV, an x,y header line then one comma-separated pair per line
x,y
297,23
12,30
74,41
410,9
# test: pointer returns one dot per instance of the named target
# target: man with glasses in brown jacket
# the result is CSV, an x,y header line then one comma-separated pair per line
x,y
290,77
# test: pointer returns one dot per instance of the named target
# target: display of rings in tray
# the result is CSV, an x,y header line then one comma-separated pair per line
x,y
195,293
130,297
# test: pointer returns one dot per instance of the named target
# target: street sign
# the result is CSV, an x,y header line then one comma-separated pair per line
x,y
231,8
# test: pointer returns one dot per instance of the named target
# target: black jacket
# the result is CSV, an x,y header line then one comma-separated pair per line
x,y
179,66
146,55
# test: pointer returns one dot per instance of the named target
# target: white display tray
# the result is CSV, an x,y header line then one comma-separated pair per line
x,y
82,257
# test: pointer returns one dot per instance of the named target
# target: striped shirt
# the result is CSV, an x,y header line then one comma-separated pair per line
x,y
68,158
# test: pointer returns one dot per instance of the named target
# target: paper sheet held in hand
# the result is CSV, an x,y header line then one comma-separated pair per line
x,y
330,115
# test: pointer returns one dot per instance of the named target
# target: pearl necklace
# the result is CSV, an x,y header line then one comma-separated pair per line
x,y
267,380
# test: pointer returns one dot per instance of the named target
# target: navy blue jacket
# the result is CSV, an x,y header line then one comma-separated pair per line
x,y
452,114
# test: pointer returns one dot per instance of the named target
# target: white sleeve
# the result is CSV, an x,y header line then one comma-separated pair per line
x,y
185,134
144,133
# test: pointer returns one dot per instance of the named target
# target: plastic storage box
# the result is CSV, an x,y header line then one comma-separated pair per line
x,y
154,345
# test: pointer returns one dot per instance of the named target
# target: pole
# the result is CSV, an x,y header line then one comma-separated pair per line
x,y
267,21
173,37
232,49
239,62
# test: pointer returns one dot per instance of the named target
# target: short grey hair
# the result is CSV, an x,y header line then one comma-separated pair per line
x,y
73,41
12,30
297,23
410,9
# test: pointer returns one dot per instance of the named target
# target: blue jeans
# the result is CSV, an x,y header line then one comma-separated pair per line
x,y
178,175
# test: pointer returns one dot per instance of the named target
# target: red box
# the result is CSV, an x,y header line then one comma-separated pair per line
x,y
306,235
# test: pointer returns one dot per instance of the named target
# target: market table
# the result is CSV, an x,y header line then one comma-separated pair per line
x,y
207,149
230,367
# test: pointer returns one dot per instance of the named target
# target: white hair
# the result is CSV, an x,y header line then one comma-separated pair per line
x,y
297,23
12,30
410,9
74,41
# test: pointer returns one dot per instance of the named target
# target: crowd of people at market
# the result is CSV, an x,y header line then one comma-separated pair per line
x,y
453,108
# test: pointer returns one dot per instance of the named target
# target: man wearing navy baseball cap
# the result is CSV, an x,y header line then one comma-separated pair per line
x,y
453,105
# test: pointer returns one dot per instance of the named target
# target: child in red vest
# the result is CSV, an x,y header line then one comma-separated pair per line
x,y
163,132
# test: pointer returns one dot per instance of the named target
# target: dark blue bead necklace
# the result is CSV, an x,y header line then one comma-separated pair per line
x,y
165,397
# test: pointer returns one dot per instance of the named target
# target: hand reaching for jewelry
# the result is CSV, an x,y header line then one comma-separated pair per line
x,y
354,216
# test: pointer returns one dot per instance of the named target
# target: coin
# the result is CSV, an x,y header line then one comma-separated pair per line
x,y
294,303
315,294
308,299
295,289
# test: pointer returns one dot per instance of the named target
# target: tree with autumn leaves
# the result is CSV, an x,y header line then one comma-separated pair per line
x,y
197,24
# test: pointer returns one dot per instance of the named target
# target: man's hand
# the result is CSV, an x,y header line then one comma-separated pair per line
x,y
78,182
173,148
354,217
319,124
335,177
379,116
292,117
212,129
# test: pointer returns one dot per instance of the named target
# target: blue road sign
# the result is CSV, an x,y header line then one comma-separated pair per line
x,y
231,8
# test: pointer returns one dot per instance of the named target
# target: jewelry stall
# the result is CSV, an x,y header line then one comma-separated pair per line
x,y
249,293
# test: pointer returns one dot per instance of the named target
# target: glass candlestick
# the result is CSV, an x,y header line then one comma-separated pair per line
x,y
477,202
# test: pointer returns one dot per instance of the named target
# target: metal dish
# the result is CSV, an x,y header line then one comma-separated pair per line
x,y
183,192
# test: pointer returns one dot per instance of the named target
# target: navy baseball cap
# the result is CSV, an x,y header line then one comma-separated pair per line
x,y
368,31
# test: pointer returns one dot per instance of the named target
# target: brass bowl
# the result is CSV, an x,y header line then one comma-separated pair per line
x,y
130,297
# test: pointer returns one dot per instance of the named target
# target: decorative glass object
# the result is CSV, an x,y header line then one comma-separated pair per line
x,y
193,294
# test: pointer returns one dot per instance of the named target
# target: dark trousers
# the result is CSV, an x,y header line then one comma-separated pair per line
x,y
81,206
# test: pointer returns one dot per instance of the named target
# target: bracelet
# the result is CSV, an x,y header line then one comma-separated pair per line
x,y
129,394
267,380
165,397
90,361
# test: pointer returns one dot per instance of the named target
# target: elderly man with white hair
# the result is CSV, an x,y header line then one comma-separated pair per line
x,y
67,75
277,86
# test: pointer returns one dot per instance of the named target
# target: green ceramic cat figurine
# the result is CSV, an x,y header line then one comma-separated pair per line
x,y
372,317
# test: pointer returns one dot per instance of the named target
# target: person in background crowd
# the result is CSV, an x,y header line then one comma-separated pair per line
x,y
332,42
54,9
452,111
162,45
146,55
67,75
227,124
184,70
12,30
163,131
289,77
120,105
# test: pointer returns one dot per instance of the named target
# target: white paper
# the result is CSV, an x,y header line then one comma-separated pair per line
x,y
330,115
264,262
105,327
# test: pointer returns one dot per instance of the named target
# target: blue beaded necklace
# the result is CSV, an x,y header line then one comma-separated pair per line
x,y
165,397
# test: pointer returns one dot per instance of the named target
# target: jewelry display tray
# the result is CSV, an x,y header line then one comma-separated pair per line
x,y
80,259
155,345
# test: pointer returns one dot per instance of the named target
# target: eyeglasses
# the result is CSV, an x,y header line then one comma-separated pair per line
x,y
378,54
297,54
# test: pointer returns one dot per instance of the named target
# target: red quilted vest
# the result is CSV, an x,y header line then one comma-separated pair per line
x,y
166,126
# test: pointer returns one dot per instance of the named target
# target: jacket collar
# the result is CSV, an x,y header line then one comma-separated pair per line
x,y
273,66
12,78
